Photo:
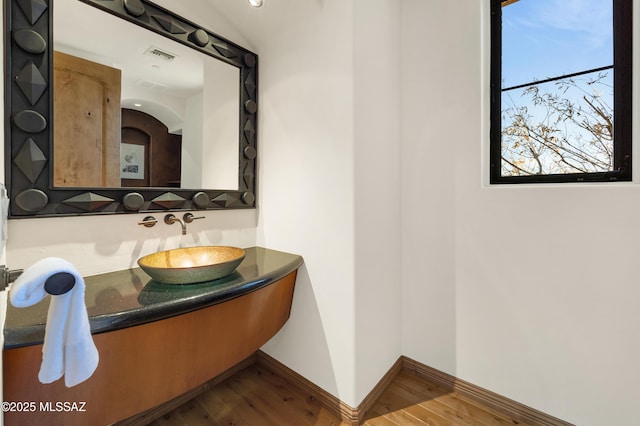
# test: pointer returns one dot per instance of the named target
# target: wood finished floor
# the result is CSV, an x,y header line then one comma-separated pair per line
x,y
256,396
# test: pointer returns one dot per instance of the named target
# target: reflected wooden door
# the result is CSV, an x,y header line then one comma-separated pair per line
x,y
86,139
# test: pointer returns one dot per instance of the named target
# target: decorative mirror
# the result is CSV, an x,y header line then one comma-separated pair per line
x,y
132,167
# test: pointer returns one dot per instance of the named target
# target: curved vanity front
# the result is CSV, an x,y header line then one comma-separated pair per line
x,y
156,341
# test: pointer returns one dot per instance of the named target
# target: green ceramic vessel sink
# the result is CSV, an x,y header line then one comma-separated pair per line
x,y
192,264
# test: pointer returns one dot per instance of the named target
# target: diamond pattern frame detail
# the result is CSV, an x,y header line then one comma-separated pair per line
x,y
31,82
250,85
169,24
33,9
224,49
227,200
88,201
30,160
248,175
249,131
169,200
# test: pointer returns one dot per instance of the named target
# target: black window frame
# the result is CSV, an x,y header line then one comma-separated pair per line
x,y
622,103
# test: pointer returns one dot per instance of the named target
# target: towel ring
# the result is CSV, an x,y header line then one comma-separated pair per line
x,y
59,283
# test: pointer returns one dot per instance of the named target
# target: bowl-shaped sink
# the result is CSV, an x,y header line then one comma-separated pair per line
x,y
192,264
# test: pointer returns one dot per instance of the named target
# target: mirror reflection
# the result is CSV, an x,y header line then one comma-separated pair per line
x,y
131,108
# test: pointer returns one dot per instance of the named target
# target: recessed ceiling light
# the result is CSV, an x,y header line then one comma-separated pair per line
x,y
255,3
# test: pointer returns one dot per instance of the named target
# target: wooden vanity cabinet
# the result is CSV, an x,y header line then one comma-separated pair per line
x,y
146,365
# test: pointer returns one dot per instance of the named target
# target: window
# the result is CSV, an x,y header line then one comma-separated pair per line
x,y
560,90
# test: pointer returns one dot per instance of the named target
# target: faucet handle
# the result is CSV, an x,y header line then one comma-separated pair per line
x,y
148,221
169,219
188,217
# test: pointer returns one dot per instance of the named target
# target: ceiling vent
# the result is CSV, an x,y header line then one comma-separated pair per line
x,y
147,84
160,54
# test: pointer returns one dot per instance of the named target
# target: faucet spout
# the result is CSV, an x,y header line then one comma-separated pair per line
x,y
171,219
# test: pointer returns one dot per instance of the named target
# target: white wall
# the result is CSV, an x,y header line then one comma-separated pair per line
x,y
377,195
306,190
330,168
529,291
435,121
98,244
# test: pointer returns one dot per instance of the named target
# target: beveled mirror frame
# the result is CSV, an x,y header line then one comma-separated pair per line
x,y
29,117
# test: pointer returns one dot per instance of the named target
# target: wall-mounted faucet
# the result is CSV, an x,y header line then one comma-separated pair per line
x,y
171,219
186,218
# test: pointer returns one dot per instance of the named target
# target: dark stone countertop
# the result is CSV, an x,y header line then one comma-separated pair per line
x,y
127,298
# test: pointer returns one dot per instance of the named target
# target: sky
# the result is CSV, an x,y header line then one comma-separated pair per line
x,y
543,39
548,38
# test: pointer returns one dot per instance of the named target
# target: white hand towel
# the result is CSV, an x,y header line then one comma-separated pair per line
x,y
68,346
